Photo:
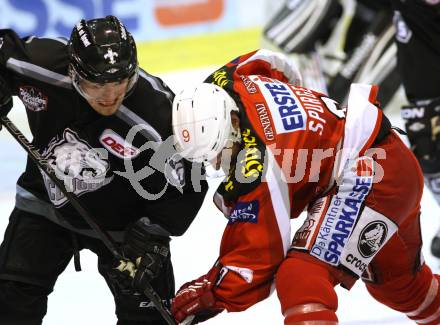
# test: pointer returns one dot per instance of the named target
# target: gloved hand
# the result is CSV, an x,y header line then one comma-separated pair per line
x,y
195,301
5,99
146,254
423,130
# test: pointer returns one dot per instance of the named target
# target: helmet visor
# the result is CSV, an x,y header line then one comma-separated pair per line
x,y
104,92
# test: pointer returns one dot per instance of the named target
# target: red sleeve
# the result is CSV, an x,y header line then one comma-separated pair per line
x,y
250,253
269,64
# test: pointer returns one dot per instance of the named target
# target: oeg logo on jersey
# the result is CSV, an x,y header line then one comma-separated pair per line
x,y
114,143
286,110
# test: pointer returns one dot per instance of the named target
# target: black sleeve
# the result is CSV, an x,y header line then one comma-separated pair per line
x,y
172,188
176,209
11,46
19,56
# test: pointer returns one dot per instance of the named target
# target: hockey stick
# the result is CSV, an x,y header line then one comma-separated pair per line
x,y
42,163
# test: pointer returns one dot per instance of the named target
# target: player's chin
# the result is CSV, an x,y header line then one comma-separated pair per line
x,y
107,109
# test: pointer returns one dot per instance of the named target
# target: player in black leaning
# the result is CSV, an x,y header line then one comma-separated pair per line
x,y
104,125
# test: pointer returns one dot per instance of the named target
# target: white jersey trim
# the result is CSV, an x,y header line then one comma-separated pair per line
x,y
429,319
430,296
39,73
60,39
155,84
279,194
360,123
277,61
133,119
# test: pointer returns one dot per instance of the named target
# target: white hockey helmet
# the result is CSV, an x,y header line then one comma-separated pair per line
x,y
202,121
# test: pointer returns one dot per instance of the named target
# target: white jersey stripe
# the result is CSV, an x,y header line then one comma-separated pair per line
x,y
133,119
430,296
279,193
277,61
360,123
155,84
36,72
60,39
429,319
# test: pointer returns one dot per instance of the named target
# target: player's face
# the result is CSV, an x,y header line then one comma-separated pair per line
x,y
105,98
227,156
230,152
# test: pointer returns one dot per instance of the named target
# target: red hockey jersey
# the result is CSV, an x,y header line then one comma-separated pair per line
x,y
291,154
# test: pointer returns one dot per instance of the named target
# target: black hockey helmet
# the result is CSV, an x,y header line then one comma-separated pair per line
x,y
102,50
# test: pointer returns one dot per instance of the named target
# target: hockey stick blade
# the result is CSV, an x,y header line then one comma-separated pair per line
x,y
42,163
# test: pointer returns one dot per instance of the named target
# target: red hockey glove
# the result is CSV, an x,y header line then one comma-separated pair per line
x,y
196,299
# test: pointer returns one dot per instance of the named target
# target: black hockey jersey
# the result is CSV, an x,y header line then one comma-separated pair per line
x,y
106,161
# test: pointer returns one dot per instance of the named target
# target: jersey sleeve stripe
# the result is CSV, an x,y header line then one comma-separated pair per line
x,y
279,194
59,39
133,119
62,40
156,84
36,72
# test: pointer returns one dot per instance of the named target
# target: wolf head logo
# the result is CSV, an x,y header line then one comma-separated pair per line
x,y
81,167
74,158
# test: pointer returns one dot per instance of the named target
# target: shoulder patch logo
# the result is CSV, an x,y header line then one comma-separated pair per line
x,y
114,143
33,99
245,212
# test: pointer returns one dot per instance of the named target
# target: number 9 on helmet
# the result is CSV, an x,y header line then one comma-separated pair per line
x,y
202,122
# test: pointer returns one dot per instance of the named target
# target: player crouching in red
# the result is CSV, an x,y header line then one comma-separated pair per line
x,y
286,149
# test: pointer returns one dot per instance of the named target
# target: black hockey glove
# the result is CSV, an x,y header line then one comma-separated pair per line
x,y
146,254
422,123
5,98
